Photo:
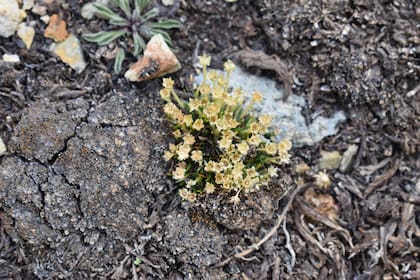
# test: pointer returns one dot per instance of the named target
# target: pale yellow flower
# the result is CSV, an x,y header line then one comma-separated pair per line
x,y
179,173
213,75
168,155
224,164
243,147
168,83
190,184
322,180
237,174
239,166
247,183
188,120
172,148
254,127
165,93
177,133
224,143
204,60
204,89
257,97
265,120
194,104
271,148
251,172
219,178
228,134
211,110
255,140
169,108
183,151
210,166
198,124
230,100
218,92
197,156
284,145
236,157
188,139
284,157
229,65
213,120
187,195
209,188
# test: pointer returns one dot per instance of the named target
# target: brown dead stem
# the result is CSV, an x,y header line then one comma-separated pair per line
x,y
383,178
251,58
315,215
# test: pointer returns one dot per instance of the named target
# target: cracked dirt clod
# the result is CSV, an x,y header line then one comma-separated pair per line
x,y
44,129
83,179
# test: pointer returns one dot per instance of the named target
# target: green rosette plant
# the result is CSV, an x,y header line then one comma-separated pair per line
x,y
130,27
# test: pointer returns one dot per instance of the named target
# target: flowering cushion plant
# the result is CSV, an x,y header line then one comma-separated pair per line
x,y
221,146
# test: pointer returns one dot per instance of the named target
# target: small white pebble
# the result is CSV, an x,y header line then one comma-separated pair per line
x,y
12,58
45,19
2,147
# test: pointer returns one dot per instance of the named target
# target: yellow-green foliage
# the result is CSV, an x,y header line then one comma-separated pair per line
x,y
220,145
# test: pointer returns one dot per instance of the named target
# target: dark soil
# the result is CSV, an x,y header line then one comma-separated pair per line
x,y
84,192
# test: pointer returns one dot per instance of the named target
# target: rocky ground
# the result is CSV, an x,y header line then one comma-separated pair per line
x,y
84,191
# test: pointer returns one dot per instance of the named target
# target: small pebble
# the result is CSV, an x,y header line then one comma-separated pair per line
x,y
167,2
39,10
9,17
12,58
329,160
45,19
26,33
28,4
56,29
2,147
348,157
70,52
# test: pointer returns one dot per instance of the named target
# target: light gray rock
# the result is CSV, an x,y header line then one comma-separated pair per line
x,y
9,17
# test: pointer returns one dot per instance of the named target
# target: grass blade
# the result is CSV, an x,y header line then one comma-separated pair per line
x,y
119,60
139,44
105,12
104,37
151,14
124,5
140,5
166,24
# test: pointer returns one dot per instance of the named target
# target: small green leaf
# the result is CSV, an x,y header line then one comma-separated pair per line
x,y
137,261
119,22
140,5
135,17
146,30
139,44
150,14
105,12
164,34
166,24
104,37
119,60
124,5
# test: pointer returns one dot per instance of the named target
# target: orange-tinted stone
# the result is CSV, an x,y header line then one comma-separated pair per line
x,y
56,29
